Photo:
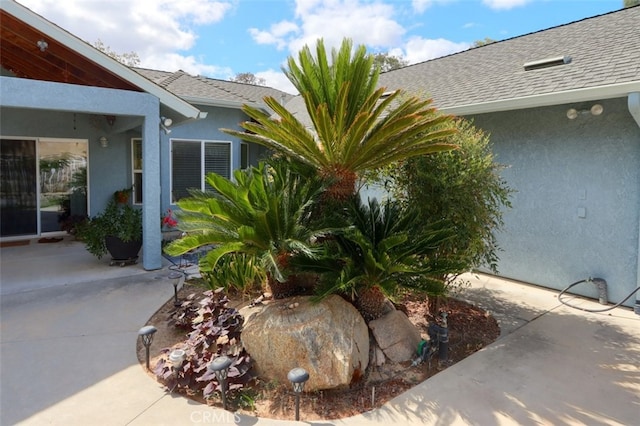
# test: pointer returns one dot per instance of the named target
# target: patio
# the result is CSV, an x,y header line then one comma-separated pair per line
x,y
69,328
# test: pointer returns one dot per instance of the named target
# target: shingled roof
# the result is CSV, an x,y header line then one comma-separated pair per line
x,y
208,91
604,54
604,51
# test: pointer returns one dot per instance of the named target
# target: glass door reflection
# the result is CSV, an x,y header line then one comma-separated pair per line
x,y
63,183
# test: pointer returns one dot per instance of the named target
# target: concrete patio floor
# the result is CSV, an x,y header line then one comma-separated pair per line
x,y
69,327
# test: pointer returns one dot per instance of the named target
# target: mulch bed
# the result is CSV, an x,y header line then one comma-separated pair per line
x,y
470,329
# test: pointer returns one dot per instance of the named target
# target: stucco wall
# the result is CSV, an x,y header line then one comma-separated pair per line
x,y
205,129
109,169
576,211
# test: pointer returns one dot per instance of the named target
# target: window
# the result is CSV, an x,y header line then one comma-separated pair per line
x,y
191,160
244,156
136,167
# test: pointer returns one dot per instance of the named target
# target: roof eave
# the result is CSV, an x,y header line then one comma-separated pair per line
x,y
610,91
166,98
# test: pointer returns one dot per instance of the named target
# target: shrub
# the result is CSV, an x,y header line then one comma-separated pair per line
x,y
462,186
238,272
215,331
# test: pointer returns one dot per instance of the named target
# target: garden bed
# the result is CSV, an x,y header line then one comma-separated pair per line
x,y
470,329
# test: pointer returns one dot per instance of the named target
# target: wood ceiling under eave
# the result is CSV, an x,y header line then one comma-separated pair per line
x,y
20,54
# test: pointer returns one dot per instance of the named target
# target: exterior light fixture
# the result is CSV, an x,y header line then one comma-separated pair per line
x,y
298,377
176,358
220,367
177,278
165,123
104,142
146,333
595,110
42,45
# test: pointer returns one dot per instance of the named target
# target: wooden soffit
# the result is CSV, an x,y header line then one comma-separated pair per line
x,y
29,53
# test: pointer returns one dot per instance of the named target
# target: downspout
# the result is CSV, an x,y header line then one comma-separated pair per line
x,y
634,108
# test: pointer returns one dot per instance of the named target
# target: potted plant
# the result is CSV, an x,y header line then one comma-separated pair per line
x,y
117,230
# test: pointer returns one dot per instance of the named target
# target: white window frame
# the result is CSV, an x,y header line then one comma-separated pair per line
x,y
134,171
202,143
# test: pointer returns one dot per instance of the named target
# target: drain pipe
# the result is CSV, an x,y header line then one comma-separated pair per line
x,y
633,103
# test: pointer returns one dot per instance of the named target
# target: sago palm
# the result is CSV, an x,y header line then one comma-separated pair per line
x,y
356,126
262,213
379,253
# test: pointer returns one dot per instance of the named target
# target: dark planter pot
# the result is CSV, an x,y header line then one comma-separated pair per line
x,y
122,250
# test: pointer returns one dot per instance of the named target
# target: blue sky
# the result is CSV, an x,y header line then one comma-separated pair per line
x,y
220,38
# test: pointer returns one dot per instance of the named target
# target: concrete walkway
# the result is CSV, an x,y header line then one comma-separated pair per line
x,y
67,357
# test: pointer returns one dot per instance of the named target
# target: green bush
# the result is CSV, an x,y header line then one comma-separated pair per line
x,y
463,187
239,272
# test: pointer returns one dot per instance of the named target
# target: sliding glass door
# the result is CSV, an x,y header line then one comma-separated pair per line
x,y
18,187
43,185
63,182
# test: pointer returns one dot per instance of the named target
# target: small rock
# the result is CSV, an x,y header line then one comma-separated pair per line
x,y
396,335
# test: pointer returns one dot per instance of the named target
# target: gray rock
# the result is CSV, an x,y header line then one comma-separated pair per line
x,y
396,335
329,339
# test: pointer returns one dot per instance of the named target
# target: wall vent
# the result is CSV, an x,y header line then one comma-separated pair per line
x,y
546,63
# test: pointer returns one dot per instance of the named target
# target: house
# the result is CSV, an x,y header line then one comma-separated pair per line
x,y
562,107
77,125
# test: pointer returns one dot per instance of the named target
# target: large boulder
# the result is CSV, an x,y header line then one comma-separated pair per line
x,y
396,335
329,339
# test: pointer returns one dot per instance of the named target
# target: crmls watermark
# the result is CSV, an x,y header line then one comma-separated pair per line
x,y
211,417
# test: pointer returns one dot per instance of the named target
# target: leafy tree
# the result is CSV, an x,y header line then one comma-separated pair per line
x,y
249,78
386,62
463,187
356,126
630,3
130,59
484,42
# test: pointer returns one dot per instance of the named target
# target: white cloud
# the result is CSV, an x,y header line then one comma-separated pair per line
x,y
277,80
504,4
418,49
276,35
189,64
369,23
421,5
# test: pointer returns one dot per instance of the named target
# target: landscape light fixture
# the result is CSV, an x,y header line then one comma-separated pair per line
x,y
595,110
220,367
146,333
176,358
176,279
298,377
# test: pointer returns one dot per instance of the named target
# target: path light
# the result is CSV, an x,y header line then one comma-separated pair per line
x,y
176,278
147,333
220,367
176,358
298,377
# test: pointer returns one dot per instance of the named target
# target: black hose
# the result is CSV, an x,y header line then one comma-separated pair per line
x,y
592,310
